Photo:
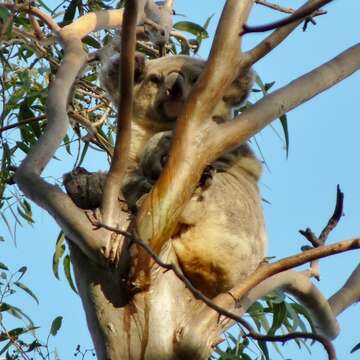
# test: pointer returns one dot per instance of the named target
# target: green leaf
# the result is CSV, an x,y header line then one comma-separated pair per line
x,y
279,315
22,271
25,216
89,40
83,153
284,124
15,311
3,266
5,347
192,28
4,14
264,349
59,252
355,348
27,290
56,325
70,11
67,270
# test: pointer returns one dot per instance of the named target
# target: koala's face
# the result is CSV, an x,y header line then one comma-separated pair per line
x,y
163,85
161,89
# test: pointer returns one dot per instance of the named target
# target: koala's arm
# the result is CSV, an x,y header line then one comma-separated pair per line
x,y
86,188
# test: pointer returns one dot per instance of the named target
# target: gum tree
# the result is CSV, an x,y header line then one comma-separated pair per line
x,y
169,318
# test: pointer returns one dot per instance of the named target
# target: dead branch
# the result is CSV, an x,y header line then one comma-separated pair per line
x,y
123,136
292,18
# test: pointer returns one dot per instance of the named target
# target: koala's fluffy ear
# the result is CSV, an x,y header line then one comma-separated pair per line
x,y
239,89
139,67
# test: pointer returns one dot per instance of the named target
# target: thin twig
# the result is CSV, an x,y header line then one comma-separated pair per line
x,y
286,10
22,122
298,15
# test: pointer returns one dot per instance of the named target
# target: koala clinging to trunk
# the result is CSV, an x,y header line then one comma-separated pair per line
x,y
221,235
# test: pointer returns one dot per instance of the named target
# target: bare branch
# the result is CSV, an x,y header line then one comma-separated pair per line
x,y
286,10
94,22
285,99
300,286
348,294
122,146
22,122
275,38
298,15
266,270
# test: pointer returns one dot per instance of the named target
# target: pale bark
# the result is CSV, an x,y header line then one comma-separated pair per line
x,y
348,294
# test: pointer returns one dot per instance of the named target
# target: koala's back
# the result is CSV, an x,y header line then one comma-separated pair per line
x,y
223,239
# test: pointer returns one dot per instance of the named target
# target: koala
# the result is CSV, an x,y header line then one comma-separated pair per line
x,y
161,88
221,236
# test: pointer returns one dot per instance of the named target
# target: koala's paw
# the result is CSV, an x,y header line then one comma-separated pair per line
x,y
85,188
155,155
135,186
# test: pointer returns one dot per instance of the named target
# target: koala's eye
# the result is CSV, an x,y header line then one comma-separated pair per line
x,y
193,78
154,78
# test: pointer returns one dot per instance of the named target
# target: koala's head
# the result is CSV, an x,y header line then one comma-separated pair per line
x,y
163,85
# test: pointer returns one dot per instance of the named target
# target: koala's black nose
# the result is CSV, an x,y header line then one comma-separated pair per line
x,y
175,86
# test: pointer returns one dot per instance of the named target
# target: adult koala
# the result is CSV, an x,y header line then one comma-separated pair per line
x,y
221,237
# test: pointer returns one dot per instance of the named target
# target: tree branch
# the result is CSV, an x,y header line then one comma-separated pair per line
x,y
275,38
298,15
283,9
48,20
348,294
285,99
123,135
28,176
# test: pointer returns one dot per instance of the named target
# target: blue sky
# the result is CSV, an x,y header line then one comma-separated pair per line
x,y
324,143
